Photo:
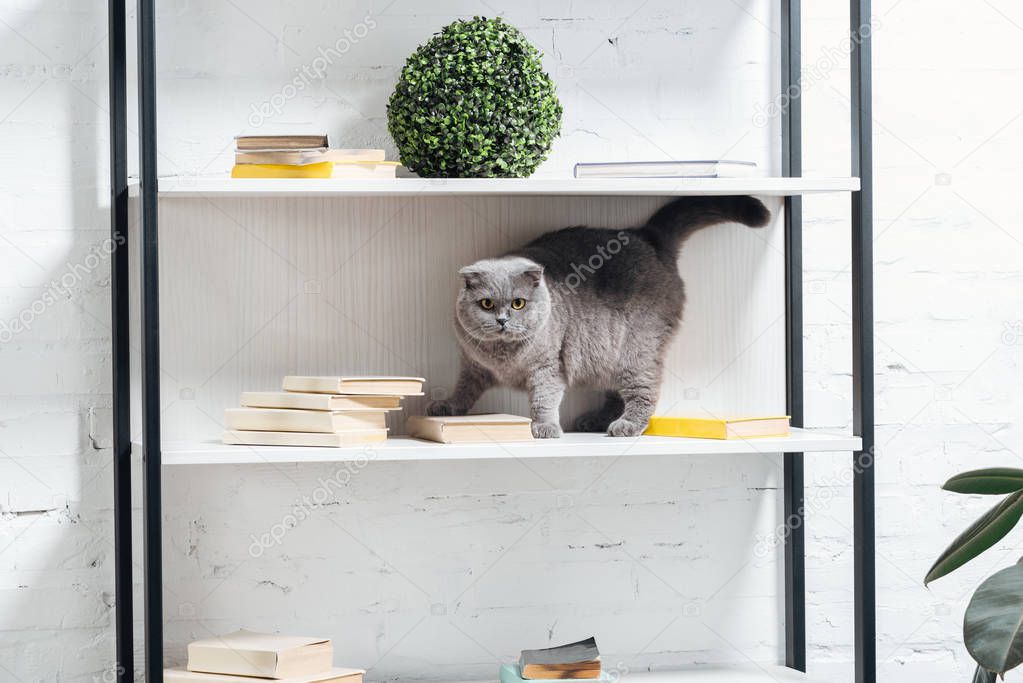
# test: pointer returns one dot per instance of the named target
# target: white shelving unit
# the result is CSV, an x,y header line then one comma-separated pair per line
x,y
185,186
569,446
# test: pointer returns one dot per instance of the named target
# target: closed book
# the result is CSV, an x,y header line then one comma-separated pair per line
x,y
666,169
247,653
718,428
307,401
321,170
511,673
292,420
277,142
578,660
368,385
243,437
470,428
382,170
301,157
335,675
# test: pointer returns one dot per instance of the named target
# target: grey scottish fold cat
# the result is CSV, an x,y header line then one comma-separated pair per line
x,y
582,307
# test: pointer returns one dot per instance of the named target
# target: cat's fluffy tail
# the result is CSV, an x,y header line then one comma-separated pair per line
x,y
672,225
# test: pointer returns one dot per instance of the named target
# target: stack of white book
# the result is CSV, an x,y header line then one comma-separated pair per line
x,y
319,411
246,656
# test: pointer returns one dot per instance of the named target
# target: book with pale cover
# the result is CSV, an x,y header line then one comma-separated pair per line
x,y
247,653
718,428
335,675
470,428
248,437
308,401
372,385
290,420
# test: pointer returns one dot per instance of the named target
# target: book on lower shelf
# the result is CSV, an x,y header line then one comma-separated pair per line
x,y
714,168
470,428
719,428
335,675
264,655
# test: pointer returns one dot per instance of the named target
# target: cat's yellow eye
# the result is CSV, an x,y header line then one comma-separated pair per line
x,y
486,304
518,304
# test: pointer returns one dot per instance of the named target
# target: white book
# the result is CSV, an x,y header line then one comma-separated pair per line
x,y
307,401
667,169
470,428
361,385
335,675
291,420
247,653
243,437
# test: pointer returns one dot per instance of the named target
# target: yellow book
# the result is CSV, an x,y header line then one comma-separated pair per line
x,y
322,170
718,428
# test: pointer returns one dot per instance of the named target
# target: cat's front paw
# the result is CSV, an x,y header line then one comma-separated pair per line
x,y
546,430
623,427
441,408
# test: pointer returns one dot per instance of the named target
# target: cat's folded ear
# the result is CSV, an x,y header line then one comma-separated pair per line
x,y
471,276
533,274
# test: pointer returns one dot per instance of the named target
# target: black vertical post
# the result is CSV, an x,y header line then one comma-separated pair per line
x,y
792,166
150,343
120,340
863,341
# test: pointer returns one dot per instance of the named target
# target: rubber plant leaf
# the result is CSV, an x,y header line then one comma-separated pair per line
x,y
982,675
991,481
993,626
981,535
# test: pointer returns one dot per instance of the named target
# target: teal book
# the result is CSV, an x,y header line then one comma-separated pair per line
x,y
510,674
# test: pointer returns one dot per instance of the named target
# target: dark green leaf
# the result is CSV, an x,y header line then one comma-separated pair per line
x,y
982,675
990,481
981,535
993,627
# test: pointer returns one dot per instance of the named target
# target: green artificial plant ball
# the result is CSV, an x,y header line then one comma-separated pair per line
x,y
474,102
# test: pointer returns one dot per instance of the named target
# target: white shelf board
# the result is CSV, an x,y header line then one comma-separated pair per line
x,y
188,186
569,446
749,673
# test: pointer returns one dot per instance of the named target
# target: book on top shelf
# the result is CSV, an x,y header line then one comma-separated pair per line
x,y
323,169
243,437
292,420
279,142
302,157
335,675
718,428
307,401
666,169
470,428
247,653
362,385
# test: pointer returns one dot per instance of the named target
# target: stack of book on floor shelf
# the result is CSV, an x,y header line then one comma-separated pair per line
x,y
306,156
246,656
580,660
319,411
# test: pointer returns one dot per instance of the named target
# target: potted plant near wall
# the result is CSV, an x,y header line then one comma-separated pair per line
x,y
993,625
474,102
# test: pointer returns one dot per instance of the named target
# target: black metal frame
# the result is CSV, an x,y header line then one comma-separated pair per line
x,y
794,550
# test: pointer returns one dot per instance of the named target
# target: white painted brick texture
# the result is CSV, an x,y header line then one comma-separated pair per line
x,y
438,572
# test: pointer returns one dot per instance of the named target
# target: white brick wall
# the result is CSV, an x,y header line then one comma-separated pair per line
x,y
949,331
